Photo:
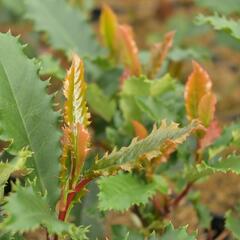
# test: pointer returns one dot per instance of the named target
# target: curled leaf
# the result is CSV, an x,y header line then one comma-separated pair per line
x,y
159,52
197,86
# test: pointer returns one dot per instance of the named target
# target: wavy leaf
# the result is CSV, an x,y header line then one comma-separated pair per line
x,y
197,86
26,115
26,211
149,147
130,189
221,23
159,52
66,27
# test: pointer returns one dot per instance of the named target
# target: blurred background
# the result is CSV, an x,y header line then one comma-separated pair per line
x,y
151,19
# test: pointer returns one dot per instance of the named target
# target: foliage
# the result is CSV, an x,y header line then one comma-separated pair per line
x,y
124,119
27,118
221,23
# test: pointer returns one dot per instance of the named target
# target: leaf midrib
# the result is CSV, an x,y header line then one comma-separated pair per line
x,y
24,126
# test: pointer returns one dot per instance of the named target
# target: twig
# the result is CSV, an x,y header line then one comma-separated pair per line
x,y
179,198
70,197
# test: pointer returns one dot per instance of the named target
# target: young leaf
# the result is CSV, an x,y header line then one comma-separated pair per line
x,y
26,211
26,116
206,108
221,23
108,29
149,147
159,53
130,189
76,116
128,49
67,29
75,110
140,131
197,86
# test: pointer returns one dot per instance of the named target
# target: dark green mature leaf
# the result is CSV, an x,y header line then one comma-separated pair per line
x,y
26,210
66,27
149,147
100,103
221,23
130,189
26,115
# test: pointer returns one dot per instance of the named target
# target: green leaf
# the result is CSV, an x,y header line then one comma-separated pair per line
x,y
100,103
129,188
149,147
233,223
221,23
66,27
26,115
17,164
50,66
228,164
27,210
220,5
15,6
177,234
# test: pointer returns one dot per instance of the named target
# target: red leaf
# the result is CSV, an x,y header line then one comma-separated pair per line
x,y
212,133
159,53
128,49
140,131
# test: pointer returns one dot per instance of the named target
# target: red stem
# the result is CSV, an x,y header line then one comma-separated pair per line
x,y
184,192
70,197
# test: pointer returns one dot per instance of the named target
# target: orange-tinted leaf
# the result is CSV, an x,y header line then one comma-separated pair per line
x,y
212,133
197,86
76,110
82,144
206,108
128,49
108,29
140,131
159,52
